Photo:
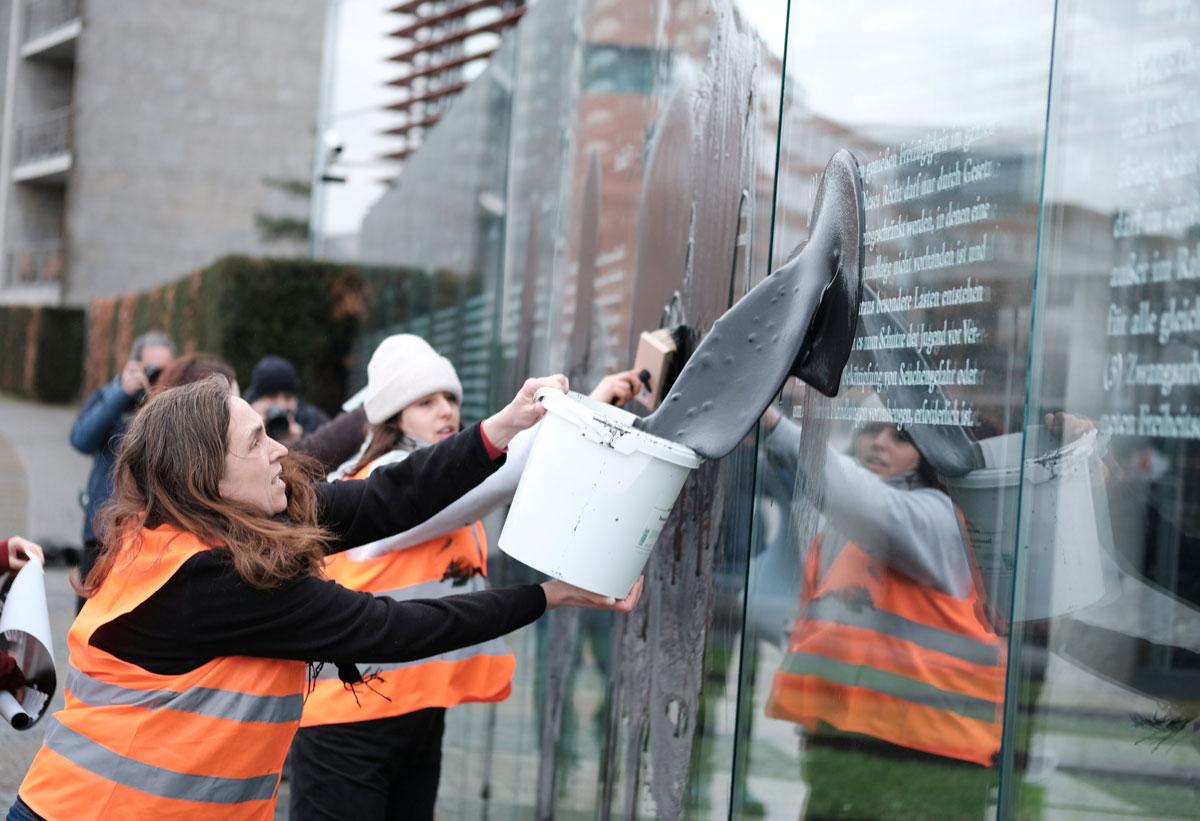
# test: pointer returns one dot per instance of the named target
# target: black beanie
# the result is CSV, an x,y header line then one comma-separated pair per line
x,y
272,375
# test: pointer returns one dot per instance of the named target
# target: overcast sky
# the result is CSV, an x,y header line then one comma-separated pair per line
x,y
950,65
360,92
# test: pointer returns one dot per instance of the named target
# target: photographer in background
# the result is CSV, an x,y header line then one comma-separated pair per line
x,y
275,393
101,422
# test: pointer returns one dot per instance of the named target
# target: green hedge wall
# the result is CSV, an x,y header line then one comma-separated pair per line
x,y
41,352
243,308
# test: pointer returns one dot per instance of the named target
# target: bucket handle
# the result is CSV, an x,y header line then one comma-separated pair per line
x,y
553,397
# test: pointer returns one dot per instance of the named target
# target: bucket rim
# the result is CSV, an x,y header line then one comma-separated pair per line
x,y
578,410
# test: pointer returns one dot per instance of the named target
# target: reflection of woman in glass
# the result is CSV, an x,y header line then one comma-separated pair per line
x,y
892,667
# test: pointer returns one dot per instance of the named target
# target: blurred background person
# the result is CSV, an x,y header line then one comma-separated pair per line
x,y
192,367
274,392
102,420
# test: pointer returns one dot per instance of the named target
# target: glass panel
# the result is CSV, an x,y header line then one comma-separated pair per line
x,y
1106,713
615,204
611,172
874,654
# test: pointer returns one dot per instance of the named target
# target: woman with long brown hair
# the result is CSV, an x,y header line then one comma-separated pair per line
x,y
187,664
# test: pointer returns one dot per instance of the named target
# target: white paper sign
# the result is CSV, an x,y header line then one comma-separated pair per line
x,y
25,635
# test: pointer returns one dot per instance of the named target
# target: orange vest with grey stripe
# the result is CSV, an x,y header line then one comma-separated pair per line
x,y
447,565
874,652
128,743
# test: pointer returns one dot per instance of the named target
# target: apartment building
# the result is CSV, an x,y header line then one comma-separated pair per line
x,y
442,45
139,140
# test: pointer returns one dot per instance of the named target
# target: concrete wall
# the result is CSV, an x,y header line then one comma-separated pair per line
x,y
5,32
181,110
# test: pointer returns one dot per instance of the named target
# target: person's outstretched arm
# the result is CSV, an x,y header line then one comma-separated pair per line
x,y
493,492
206,611
399,496
499,488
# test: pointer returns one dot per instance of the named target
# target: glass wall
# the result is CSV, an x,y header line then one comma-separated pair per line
x,y
1105,697
876,621
929,596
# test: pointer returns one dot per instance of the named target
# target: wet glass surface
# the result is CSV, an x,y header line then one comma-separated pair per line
x,y
874,655
622,153
1104,709
959,588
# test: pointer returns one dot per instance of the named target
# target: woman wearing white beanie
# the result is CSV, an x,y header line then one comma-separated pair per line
x,y
370,738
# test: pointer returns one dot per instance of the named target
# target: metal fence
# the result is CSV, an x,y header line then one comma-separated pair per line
x,y
44,135
44,16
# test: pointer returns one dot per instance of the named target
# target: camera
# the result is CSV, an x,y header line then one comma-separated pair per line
x,y
279,423
152,373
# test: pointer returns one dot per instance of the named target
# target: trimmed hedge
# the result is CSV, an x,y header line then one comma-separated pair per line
x,y
243,308
41,351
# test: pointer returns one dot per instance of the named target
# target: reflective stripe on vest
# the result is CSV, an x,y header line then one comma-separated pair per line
x,y
838,611
128,743
98,759
205,701
881,681
874,652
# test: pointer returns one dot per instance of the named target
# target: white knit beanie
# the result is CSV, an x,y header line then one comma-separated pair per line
x,y
402,370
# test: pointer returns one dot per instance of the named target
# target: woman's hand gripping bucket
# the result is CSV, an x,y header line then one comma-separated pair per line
x,y
594,495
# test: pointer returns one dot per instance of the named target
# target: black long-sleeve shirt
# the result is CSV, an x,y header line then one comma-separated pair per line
x,y
205,610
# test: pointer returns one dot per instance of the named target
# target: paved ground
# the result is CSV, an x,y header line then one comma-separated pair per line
x,y
40,480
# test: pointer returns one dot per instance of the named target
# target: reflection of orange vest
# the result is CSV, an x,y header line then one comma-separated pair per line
x,y
876,653
131,744
444,566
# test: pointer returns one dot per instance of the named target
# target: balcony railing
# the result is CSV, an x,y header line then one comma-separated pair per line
x,y
36,263
44,136
44,16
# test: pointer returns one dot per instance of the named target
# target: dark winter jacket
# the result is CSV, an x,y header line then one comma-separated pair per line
x,y
96,432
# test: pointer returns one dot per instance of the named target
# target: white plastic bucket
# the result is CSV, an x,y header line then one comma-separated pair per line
x,y
594,495
1066,536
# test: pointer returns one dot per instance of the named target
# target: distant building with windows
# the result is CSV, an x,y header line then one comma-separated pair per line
x,y
442,45
140,140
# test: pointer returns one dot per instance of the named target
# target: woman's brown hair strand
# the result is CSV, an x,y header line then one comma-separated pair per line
x,y
168,471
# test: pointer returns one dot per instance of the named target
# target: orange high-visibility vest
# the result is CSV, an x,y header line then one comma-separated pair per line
x,y
444,566
206,744
875,652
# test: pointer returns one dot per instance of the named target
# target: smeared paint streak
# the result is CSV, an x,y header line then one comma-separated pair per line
x,y
564,632
525,327
585,281
459,572
692,218
800,321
